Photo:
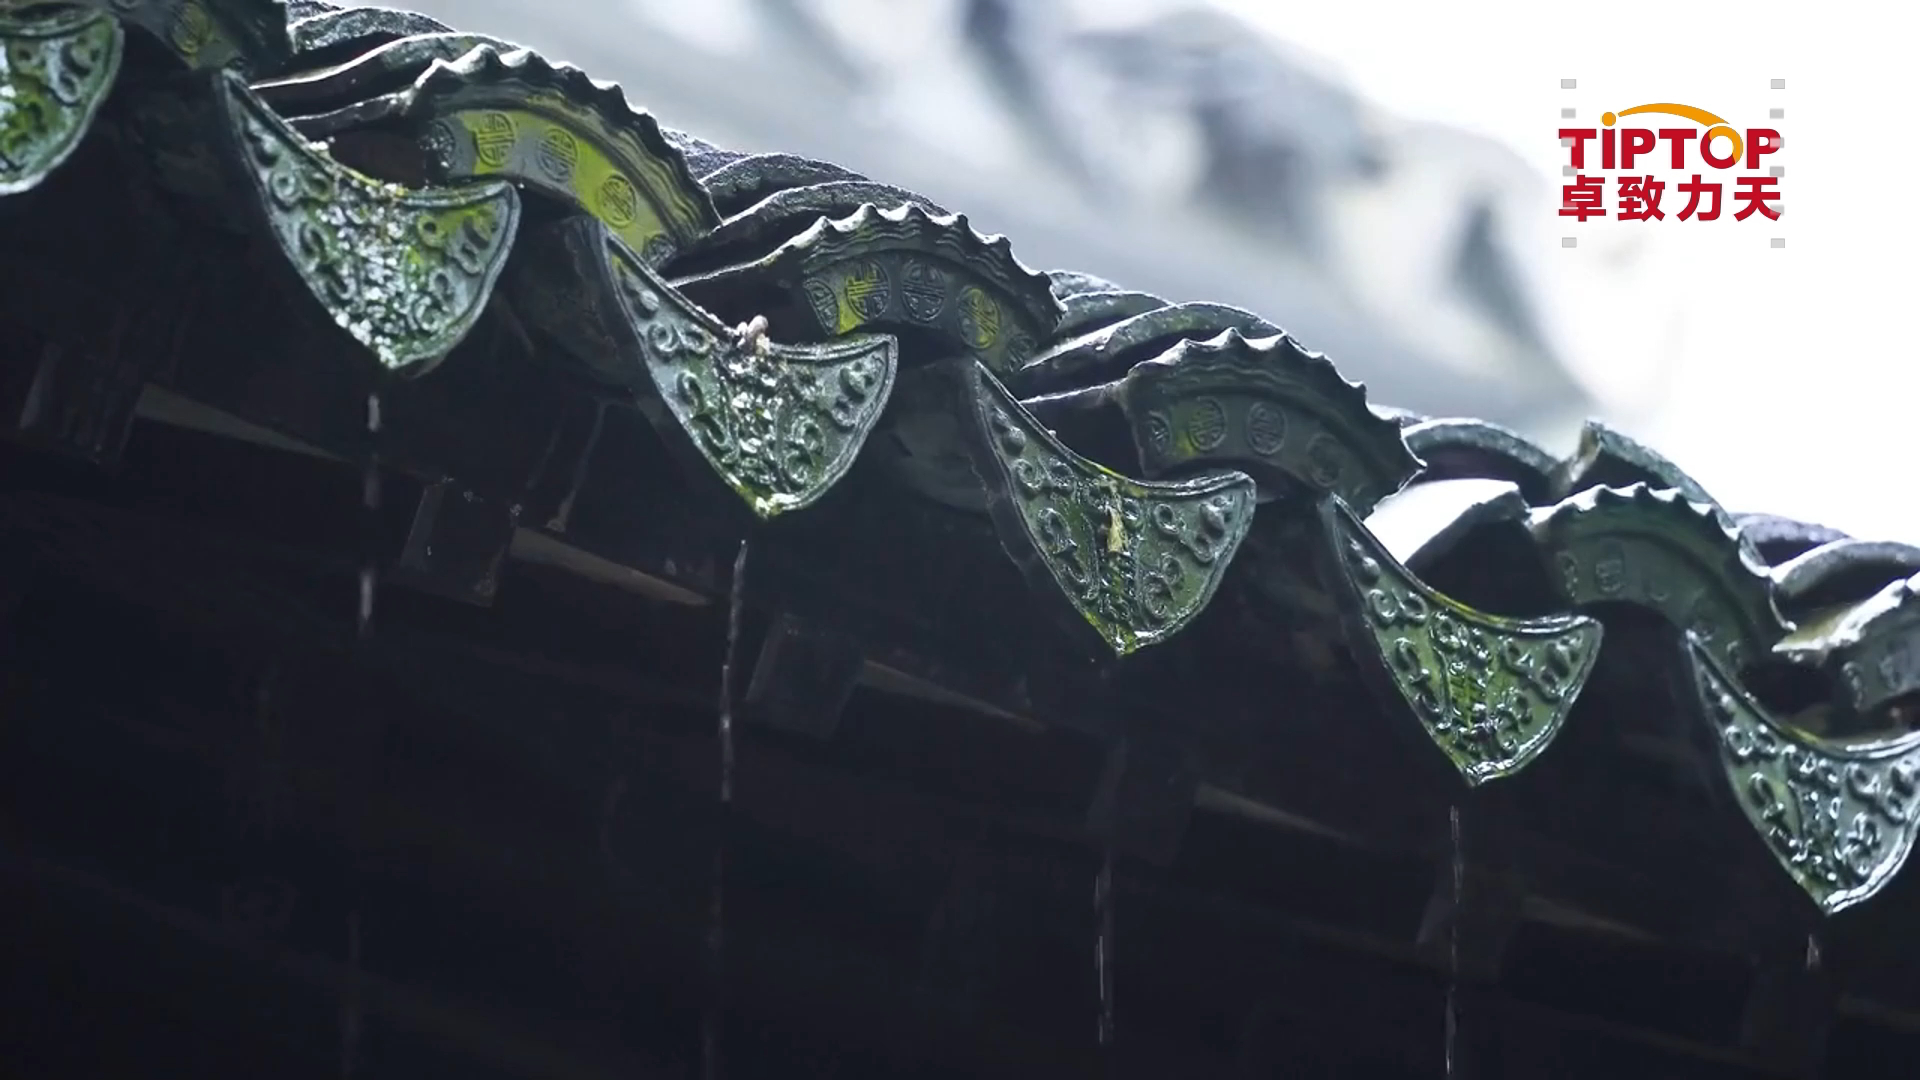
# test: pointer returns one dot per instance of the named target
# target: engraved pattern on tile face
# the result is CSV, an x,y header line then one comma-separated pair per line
x,y
494,134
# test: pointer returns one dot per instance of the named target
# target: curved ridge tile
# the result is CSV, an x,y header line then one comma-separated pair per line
x,y
1460,448
1489,692
56,70
1134,560
836,198
1092,302
1841,572
1107,351
1422,522
702,156
513,115
209,34
1872,647
255,34
1406,418
406,273
1839,818
1069,282
363,27
370,72
749,178
1780,539
1661,551
1607,458
904,267
1086,311
1268,407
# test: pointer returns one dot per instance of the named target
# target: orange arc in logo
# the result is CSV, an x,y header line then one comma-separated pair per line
x,y
1698,116
1715,126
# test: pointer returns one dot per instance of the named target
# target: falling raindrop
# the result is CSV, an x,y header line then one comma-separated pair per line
x,y
1453,936
716,913
370,527
364,620
1103,945
1813,953
736,604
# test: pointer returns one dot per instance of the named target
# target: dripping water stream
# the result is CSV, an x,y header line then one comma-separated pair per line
x,y
1453,937
370,528
352,1005
716,911
1103,951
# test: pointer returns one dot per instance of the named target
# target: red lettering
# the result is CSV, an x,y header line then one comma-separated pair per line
x,y
1693,189
1606,148
1756,192
1633,143
1761,141
1706,151
1576,140
1678,137
1584,198
1640,196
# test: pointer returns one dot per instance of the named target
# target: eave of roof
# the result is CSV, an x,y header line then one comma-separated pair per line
x,y
497,187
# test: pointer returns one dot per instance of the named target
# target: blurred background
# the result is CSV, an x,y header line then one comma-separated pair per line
x,y
1382,179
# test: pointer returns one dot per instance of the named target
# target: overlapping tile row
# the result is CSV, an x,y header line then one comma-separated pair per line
x,y
769,314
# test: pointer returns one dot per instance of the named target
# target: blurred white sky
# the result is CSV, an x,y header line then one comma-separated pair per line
x,y
1783,379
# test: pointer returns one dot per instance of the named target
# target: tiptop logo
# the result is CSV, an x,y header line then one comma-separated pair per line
x,y
1697,159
